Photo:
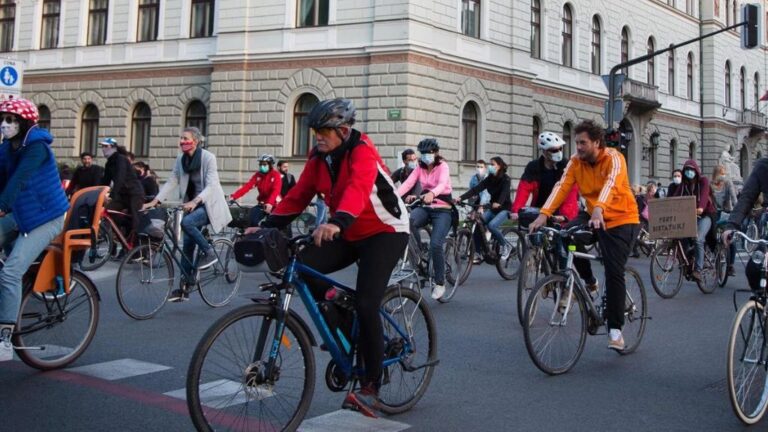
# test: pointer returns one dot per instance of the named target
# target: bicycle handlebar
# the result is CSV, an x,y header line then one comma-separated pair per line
x,y
759,242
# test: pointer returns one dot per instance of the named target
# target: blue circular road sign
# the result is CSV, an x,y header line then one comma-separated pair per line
x,y
8,76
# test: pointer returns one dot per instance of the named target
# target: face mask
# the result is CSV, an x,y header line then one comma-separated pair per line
x,y
491,169
264,169
720,178
108,151
412,164
481,172
9,130
689,174
428,158
186,145
556,157
677,180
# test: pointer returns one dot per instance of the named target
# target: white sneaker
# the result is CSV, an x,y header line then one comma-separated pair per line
x,y
437,291
6,349
506,250
615,340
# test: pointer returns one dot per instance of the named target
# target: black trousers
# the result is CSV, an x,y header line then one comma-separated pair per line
x,y
583,267
376,257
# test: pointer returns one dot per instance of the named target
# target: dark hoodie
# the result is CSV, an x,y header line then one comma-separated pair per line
x,y
698,187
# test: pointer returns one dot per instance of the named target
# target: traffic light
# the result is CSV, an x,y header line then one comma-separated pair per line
x,y
752,31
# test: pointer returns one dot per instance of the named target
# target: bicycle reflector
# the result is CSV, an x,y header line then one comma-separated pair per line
x,y
758,257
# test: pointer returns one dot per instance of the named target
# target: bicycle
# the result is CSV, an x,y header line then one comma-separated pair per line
x,y
562,299
747,363
110,235
507,267
146,274
59,309
671,256
540,260
260,355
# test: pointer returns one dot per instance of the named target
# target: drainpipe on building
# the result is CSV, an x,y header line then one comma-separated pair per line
x,y
701,88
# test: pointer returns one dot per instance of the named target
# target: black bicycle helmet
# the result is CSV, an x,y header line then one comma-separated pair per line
x,y
428,145
332,113
267,158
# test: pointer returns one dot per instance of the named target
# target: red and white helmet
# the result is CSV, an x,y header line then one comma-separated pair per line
x,y
550,140
23,108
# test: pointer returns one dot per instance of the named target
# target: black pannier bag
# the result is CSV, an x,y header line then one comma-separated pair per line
x,y
152,223
264,250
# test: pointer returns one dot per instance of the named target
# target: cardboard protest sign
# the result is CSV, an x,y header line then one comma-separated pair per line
x,y
673,217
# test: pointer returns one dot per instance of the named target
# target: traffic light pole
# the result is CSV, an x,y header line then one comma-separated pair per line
x,y
634,61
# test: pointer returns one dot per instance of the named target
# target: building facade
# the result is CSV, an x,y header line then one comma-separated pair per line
x,y
482,76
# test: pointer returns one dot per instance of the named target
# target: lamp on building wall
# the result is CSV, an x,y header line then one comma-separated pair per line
x,y
654,144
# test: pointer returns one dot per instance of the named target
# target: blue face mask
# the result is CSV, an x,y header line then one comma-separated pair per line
x,y
428,158
264,169
690,174
492,169
412,164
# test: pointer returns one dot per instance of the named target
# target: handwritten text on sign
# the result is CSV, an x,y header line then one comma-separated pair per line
x,y
673,217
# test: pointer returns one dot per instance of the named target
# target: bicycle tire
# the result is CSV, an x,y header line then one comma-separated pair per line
x,y
721,263
452,277
138,267
219,282
509,268
303,224
407,305
533,267
42,324
709,280
103,251
753,233
546,296
746,357
224,393
463,251
635,311
664,262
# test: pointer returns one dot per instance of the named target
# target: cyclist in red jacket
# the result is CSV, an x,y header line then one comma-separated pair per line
x,y
269,183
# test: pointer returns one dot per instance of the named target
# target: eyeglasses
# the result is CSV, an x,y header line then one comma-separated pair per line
x,y
9,118
325,132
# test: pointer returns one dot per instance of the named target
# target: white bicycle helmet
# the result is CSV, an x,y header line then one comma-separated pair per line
x,y
550,140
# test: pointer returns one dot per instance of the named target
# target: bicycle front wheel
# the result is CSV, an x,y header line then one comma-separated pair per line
x,y
555,327
98,254
458,255
746,363
410,340
709,280
666,270
721,264
509,267
59,327
144,280
635,311
219,282
232,387
533,268
753,233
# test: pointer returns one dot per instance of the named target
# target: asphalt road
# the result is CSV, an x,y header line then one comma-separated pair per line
x,y
485,381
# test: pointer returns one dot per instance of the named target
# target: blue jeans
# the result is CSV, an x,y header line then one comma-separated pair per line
x,y
702,228
322,211
190,225
441,225
493,221
25,250
256,215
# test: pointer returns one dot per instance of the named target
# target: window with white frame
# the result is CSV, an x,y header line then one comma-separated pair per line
x,y
201,20
470,18
49,35
312,13
7,23
149,17
469,126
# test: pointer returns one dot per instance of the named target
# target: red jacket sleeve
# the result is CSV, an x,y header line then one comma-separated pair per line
x,y
364,167
570,207
276,184
245,188
524,191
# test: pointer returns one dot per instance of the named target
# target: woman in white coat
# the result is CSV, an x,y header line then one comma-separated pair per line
x,y
197,179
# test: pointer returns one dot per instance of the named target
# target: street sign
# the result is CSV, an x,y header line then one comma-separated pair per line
x,y
618,110
11,77
394,114
618,80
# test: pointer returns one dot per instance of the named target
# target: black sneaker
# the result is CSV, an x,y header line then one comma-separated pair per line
x,y
365,401
178,295
731,271
207,259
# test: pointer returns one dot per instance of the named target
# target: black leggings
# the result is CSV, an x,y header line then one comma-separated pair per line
x,y
376,257
130,204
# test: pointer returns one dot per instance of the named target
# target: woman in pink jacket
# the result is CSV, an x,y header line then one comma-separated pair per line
x,y
433,175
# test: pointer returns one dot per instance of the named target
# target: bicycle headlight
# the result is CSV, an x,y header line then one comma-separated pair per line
x,y
758,257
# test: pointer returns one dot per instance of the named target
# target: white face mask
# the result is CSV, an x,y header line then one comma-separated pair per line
x,y
481,172
9,130
428,158
412,164
677,180
108,151
556,157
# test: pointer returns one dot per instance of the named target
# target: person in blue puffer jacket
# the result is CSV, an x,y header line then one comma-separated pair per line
x,y
32,203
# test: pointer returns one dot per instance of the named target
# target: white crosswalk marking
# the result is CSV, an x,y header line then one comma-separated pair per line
x,y
224,393
119,369
349,421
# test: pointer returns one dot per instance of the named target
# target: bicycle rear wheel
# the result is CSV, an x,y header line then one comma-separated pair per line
x,y
721,263
753,233
144,280
304,223
219,282
555,327
532,268
709,279
746,363
635,311
452,276
63,325
509,268
666,270
229,387
410,338
97,255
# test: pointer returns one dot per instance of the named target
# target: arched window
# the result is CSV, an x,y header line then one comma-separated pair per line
x,y
692,150
303,141
651,73
141,126
596,36
45,117
567,45
197,116
689,76
728,84
625,49
469,126
671,72
743,88
672,155
89,129
536,28
757,91
653,154
536,132
567,137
